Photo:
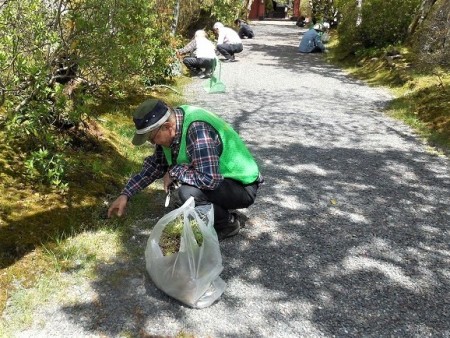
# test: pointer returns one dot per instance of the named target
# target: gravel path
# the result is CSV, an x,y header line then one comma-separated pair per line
x,y
349,236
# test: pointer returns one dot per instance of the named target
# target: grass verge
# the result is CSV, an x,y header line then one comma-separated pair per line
x,y
51,240
421,100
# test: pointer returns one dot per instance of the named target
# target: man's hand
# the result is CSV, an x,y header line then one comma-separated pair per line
x,y
167,182
118,206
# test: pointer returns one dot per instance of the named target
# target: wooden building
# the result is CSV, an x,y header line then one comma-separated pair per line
x,y
258,10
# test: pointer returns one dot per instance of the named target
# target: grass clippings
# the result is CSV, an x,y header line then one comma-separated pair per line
x,y
171,236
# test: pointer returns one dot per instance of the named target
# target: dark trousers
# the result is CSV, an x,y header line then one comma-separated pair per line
x,y
316,50
228,50
245,33
195,65
229,195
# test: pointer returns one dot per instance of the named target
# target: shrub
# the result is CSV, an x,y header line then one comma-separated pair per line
x,y
44,167
378,23
430,42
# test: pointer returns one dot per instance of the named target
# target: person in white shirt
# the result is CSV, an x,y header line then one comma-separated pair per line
x,y
204,58
228,42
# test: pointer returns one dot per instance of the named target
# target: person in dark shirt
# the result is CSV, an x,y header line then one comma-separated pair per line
x,y
202,154
244,29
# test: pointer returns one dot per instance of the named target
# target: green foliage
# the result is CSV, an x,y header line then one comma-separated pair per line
x,y
430,43
348,33
305,9
322,10
378,23
104,43
57,56
47,168
194,14
268,5
171,235
226,10
385,22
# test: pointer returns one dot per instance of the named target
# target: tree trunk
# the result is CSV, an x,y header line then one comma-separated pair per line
x,y
176,14
248,8
425,8
359,17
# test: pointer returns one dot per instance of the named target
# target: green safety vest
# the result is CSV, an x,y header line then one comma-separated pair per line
x,y
235,162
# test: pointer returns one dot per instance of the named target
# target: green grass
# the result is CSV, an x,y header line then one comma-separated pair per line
x,y
44,233
427,110
421,100
78,254
171,235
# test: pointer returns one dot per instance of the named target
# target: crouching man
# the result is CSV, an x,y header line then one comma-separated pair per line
x,y
200,151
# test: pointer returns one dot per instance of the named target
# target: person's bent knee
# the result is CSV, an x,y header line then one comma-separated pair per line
x,y
187,191
252,191
238,48
221,47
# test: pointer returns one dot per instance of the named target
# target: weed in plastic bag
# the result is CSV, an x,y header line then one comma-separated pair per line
x,y
190,275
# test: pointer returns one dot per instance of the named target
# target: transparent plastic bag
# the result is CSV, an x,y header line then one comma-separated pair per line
x,y
325,37
190,275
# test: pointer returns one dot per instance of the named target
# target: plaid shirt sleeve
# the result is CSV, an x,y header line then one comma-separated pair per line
x,y
204,147
154,167
189,48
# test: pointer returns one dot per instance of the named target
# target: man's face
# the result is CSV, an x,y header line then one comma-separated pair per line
x,y
162,136
153,134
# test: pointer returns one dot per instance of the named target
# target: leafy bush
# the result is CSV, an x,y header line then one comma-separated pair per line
x,y
321,10
430,42
385,22
378,23
55,56
58,56
349,41
47,168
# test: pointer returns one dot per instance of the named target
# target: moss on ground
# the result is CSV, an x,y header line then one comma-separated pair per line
x,y
33,217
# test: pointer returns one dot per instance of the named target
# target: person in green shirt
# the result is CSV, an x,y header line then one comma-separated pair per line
x,y
200,152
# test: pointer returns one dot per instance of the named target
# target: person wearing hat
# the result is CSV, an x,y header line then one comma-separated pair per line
x,y
204,58
202,154
228,42
311,41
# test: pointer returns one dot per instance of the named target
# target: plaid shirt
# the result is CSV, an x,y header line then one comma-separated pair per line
x,y
203,146
189,48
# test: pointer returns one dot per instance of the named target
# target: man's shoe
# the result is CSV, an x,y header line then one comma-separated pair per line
x,y
231,230
205,76
231,59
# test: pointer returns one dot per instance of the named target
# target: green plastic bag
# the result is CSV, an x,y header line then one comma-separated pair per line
x,y
214,84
